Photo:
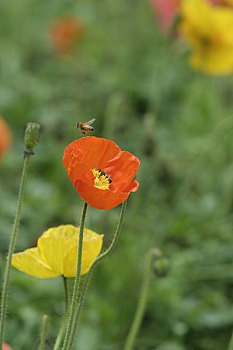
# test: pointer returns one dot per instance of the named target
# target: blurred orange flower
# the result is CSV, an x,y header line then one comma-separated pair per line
x,y
102,174
5,137
65,32
5,346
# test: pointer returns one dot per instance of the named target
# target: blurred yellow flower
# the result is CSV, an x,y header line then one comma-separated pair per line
x,y
209,30
56,253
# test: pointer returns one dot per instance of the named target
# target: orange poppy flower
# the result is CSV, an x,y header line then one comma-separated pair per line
x,y
64,33
5,346
5,136
102,174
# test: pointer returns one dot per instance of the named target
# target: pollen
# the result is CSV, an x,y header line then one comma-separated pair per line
x,y
102,181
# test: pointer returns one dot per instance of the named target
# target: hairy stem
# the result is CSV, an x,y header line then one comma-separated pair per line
x,y
72,311
98,259
11,249
43,332
63,325
142,301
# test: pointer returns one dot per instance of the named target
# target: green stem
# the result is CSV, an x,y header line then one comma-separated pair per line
x,y
63,325
43,332
141,302
230,347
11,249
66,293
98,259
71,319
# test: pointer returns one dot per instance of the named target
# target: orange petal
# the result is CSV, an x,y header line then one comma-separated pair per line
x,y
122,169
100,199
133,186
77,170
93,151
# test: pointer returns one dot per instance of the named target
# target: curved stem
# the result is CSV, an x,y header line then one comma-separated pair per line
x,y
63,325
98,259
43,332
142,301
11,249
71,318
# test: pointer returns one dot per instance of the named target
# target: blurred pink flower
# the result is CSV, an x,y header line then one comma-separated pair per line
x,y
166,11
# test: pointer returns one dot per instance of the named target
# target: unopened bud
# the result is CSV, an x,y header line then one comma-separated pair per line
x,y
161,266
31,136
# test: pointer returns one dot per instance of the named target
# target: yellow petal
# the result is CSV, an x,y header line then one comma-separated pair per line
x,y
196,13
30,262
209,30
54,244
213,60
92,244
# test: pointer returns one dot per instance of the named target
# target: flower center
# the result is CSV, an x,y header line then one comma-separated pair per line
x,y
102,180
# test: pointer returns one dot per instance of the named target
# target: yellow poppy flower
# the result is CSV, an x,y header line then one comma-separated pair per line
x,y
209,30
56,253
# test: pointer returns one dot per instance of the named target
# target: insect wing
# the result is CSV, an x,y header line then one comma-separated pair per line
x,y
90,121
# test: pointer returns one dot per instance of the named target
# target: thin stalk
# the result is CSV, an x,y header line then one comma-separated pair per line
x,y
11,249
98,259
71,317
141,302
43,332
63,325
66,293
230,347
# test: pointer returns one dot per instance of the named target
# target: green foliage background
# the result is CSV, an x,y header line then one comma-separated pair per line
x,y
139,87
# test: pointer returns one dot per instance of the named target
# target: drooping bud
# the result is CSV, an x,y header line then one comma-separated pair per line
x,y
161,266
31,136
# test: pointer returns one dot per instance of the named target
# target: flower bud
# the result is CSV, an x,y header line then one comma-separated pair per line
x,y
31,136
161,266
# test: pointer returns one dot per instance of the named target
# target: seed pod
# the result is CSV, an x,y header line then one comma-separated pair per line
x,y
161,266
31,136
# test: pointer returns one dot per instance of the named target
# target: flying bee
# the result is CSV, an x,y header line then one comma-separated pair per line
x,y
85,127
105,174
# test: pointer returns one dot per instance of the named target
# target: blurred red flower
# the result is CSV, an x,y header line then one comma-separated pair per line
x,y
64,33
5,346
102,174
166,11
5,137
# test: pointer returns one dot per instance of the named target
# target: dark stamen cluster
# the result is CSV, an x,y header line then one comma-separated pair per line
x,y
105,174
